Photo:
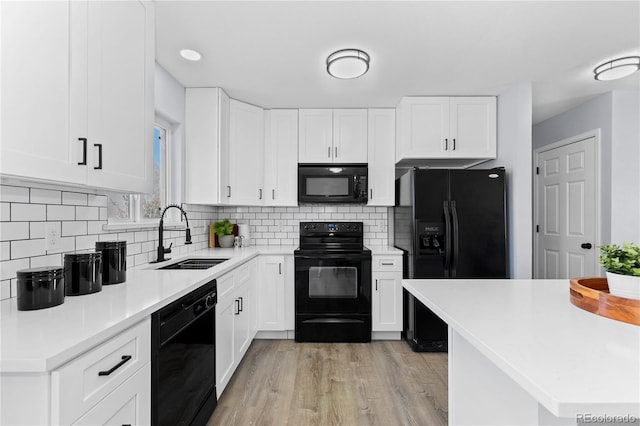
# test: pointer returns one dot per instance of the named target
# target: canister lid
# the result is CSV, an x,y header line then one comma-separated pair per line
x,y
42,273
110,244
80,257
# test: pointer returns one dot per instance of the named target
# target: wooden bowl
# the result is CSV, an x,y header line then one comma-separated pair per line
x,y
592,294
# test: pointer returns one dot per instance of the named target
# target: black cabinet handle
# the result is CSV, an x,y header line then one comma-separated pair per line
x,y
446,144
376,285
454,145
241,304
125,358
586,245
99,146
84,152
237,312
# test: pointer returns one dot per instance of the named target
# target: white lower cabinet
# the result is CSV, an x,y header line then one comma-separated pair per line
x,y
387,295
235,320
98,384
109,384
129,404
271,309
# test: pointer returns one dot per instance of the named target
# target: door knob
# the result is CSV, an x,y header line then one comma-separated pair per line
x,y
586,245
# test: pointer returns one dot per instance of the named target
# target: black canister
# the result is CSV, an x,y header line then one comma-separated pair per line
x,y
40,287
82,273
114,261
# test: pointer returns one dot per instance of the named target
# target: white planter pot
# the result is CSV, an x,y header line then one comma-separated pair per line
x,y
226,241
624,285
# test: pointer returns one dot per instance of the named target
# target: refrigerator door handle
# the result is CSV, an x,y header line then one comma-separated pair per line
x,y
447,239
454,260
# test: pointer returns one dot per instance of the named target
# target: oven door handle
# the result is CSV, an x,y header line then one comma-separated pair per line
x,y
337,256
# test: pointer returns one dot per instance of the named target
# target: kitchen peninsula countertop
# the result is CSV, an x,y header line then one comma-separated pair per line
x,y
570,361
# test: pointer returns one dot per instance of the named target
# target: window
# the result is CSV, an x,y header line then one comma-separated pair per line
x,y
136,208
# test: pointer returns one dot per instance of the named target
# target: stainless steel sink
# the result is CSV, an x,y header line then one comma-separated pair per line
x,y
196,263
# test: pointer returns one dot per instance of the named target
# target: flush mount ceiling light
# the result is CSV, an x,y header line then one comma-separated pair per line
x,y
191,55
617,68
348,63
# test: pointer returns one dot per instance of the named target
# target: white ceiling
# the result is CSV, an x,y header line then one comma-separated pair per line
x,y
272,53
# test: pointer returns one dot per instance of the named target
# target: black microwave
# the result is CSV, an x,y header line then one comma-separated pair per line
x,y
332,183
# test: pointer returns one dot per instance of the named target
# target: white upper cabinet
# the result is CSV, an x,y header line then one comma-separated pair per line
x,y
79,108
332,136
206,132
245,156
445,131
281,157
349,135
381,152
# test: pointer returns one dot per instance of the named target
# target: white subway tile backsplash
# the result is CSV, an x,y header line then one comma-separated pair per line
x,y
14,194
27,248
45,196
73,228
5,289
87,213
28,212
14,231
5,250
95,226
5,212
48,260
86,242
65,244
60,213
81,225
74,198
8,268
97,200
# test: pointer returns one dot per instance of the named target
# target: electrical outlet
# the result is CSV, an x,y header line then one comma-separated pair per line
x,y
52,235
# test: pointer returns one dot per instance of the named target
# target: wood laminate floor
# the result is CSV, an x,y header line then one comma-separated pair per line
x,y
280,382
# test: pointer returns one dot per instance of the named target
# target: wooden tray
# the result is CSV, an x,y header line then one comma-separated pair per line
x,y
592,294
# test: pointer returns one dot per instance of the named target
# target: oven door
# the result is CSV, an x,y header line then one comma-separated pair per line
x,y
337,283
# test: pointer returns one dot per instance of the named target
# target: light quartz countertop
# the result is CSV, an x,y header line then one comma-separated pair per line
x,y
568,359
41,340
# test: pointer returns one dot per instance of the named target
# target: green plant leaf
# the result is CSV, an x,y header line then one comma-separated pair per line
x,y
621,259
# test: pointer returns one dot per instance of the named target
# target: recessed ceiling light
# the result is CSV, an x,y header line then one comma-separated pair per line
x,y
348,63
190,55
618,68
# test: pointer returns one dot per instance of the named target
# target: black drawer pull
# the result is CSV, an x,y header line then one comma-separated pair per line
x,y
125,358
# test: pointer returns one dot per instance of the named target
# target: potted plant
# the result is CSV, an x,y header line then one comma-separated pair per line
x,y
622,264
224,229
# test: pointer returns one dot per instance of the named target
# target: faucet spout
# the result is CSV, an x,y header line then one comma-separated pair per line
x,y
161,249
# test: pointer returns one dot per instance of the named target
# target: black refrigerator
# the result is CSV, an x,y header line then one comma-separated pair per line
x,y
449,224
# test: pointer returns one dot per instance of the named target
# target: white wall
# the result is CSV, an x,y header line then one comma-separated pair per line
x,y
625,167
515,155
616,115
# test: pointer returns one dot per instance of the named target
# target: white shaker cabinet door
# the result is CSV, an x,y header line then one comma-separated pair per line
x,y
245,155
281,157
119,94
271,293
349,135
315,141
35,138
381,153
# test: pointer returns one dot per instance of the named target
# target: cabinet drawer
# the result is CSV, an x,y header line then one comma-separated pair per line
x,y
83,382
387,263
128,404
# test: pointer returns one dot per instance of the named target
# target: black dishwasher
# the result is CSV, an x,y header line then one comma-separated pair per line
x,y
183,359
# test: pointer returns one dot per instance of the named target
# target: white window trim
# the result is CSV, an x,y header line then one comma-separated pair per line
x,y
172,220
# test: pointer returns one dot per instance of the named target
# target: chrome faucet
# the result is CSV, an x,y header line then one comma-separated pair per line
x,y
161,250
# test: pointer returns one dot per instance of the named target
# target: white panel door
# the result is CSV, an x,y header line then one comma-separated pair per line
x,y
472,129
270,301
427,123
566,211
281,157
381,153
